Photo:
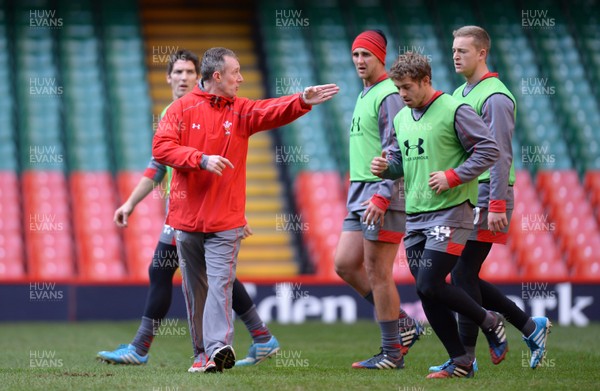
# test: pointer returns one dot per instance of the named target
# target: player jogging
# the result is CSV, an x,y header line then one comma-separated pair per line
x,y
497,107
444,146
374,226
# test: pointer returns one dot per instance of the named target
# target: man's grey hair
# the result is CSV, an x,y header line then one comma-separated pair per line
x,y
214,60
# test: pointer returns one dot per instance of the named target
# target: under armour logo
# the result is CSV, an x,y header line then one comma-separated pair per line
x,y
418,146
195,126
440,232
355,123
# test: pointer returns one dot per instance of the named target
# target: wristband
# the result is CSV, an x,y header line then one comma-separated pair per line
x,y
380,202
452,178
497,206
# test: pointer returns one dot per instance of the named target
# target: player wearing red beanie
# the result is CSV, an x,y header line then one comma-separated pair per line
x,y
374,226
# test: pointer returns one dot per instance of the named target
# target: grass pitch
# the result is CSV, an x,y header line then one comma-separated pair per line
x,y
314,356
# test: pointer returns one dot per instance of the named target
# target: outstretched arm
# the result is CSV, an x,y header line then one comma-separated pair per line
x,y
315,95
272,113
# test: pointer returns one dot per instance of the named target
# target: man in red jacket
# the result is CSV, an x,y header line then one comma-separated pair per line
x,y
204,137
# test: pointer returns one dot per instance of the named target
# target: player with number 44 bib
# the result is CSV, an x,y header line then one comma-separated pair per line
x,y
445,145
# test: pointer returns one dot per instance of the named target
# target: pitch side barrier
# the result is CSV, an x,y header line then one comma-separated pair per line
x,y
289,301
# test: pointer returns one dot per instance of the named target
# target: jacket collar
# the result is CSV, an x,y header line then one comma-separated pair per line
x,y
217,101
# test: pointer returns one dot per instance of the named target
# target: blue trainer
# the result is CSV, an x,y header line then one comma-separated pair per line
x,y
380,361
259,352
450,369
124,354
437,368
537,340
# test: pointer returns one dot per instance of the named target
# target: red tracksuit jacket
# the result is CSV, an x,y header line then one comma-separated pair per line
x,y
200,123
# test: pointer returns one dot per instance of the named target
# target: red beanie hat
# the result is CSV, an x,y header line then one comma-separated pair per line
x,y
373,42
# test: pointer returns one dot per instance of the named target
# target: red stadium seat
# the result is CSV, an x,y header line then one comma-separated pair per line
x,y
527,210
33,180
499,265
48,233
100,257
570,210
9,191
552,179
546,270
585,252
12,262
563,193
592,186
320,202
535,247
99,244
50,256
140,252
587,272
316,187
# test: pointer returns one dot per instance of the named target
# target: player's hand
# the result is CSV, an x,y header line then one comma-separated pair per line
x,y
315,95
216,164
121,214
379,164
497,221
373,214
247,231
438,182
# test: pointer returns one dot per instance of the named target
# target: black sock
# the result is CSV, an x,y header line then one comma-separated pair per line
x,y
495,300
431,284
465,275
241,301
164,264
529,328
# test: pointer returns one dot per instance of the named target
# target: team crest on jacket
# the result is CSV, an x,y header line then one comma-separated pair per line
x,y
227,125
